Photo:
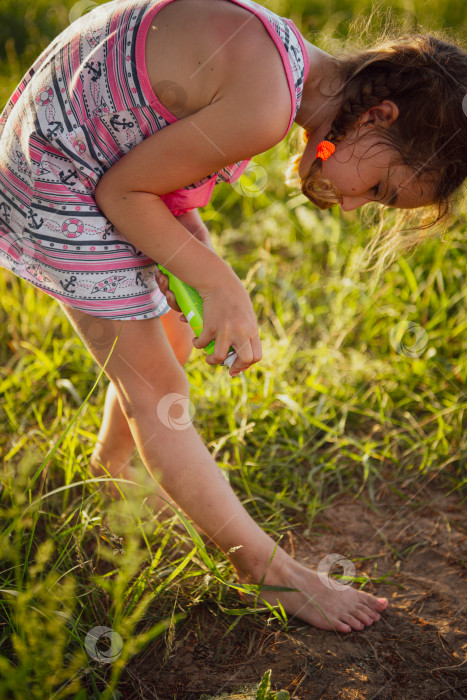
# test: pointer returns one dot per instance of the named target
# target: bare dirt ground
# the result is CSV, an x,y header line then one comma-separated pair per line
x,y
417,650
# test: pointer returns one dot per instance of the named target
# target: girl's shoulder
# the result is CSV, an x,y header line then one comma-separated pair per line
x,y
198,50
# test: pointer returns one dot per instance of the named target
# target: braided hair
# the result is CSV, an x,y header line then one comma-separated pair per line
x,y
426,77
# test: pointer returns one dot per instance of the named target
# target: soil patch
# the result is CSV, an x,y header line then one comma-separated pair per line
x,y
417,650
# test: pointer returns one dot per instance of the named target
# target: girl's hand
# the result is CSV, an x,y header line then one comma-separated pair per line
x,y
163,284
228,316
229,319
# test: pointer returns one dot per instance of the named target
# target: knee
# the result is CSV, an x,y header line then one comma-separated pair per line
x,y
148,396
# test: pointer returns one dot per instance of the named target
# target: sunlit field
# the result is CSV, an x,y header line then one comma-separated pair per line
x,y
348,437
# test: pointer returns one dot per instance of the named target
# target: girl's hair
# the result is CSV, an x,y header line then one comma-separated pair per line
x,y
426,77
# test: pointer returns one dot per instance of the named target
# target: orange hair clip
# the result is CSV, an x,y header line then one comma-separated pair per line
x,y
325,149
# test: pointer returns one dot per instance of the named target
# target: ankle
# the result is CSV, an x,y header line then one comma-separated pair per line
x,y
270,568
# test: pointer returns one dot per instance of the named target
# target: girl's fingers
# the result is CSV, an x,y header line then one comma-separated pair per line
x,y
257,349
162,281
244,353
170,296
202,340
257,354
163,284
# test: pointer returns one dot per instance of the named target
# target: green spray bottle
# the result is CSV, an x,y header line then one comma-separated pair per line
x,y
191,305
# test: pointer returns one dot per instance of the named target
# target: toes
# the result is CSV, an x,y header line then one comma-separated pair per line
x,y
354,622
369,611
363,614
342,627
376,604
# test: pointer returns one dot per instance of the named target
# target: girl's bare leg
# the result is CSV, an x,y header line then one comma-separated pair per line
x,y
115,444
146,374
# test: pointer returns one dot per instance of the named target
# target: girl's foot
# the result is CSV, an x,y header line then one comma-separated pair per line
x,y
318,604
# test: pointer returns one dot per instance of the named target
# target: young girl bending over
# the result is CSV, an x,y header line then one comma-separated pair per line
x,y
114,138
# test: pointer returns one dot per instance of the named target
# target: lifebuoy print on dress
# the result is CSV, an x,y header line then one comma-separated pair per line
x,y
45,97
72,228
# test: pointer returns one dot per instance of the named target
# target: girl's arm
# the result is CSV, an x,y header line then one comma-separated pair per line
x,y
193,222
246,121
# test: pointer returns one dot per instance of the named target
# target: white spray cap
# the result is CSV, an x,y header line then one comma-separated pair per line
x,y
230,359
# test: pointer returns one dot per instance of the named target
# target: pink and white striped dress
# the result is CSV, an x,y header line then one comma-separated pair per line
x,y
84,104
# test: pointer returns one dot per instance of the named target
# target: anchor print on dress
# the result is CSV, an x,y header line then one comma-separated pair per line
x,y
69,284
34,223
55,129
66,178
123,123
140,281
5,217
124,129
109,230
108,285
96,73
12,218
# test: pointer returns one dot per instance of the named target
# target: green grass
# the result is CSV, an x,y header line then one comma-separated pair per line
x,y
338,404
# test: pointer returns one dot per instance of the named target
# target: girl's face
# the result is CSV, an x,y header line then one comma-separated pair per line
x,y
361,172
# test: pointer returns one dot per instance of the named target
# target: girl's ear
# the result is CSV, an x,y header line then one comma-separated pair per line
x,y
384,114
